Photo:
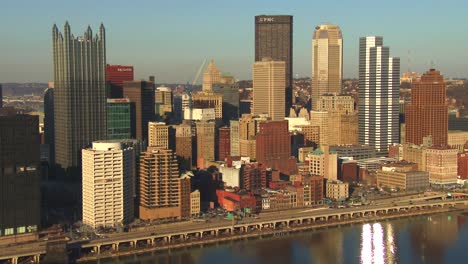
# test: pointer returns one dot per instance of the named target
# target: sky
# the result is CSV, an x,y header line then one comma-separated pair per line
x,y
170,39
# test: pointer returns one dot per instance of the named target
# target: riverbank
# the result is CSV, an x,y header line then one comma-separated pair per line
x,y
266,233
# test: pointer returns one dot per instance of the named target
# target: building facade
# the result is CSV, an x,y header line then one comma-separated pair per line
x,y
379,87
20,179
159,185
108,175
442,165
274,39
224,143
183,147
141,94
205,143
426,115
268,88
339,103
337,190
327,62
79,93
158,135
234,138
402,176
116,75
49,123
119,118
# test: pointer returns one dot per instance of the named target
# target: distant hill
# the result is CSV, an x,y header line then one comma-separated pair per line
x,y
20,89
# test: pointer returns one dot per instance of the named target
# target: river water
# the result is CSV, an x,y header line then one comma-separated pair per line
x,y
441,238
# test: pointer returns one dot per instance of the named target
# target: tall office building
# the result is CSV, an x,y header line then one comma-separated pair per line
x,y
49,123
268,87
205,142
108,174
158,135
115,76
80,92
159,185
163,102
20,198
119,118
204,100
183,149
224,143
426,115
234,138
273,146
327,62
379,87
211,76
274,39
228,87
141,94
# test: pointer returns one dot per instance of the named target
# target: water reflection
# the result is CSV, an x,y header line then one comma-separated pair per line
x,y
414,240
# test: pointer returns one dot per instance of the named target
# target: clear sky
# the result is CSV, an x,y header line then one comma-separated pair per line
x,y
170,39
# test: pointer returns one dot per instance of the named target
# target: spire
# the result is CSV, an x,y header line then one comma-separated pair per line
x,y
89,33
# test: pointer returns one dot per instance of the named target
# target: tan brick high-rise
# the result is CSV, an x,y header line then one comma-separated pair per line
x,y
184,146
427,113
159,185
205,143
158,135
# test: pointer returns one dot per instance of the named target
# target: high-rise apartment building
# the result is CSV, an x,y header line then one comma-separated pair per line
x,y
327,62
119,118
205,143
79,93
183,149
379,87
141,94
274,39
116,75
211,76
427,114
108,175
159,185
20,196
158,135
268,88
224,143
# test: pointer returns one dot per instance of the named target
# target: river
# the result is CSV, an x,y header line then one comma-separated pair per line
x,y
441,238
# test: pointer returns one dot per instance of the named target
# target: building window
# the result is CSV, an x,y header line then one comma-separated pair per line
x,y
21,230
9,231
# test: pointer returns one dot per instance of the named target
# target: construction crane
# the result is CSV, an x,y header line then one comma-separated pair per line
x,y
190,91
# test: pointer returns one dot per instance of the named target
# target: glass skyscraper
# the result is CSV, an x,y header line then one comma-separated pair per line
x,y
119,119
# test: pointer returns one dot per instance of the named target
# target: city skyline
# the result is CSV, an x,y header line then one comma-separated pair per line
x,y
163,52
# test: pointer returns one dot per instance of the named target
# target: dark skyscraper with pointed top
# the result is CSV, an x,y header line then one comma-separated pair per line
x,y
79,93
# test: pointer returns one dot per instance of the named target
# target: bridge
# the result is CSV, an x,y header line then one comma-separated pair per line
x,y
196,232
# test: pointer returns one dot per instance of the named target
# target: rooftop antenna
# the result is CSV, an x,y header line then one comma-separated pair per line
x,y
409,61
432,65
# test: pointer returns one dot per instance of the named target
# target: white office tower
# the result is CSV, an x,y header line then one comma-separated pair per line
x,y
379,88
108,172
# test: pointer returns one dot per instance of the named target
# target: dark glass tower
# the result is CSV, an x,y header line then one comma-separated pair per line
x,y
19,175
49,123
80,93
274,39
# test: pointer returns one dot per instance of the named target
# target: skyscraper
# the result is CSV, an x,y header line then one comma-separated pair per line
x,y
211,76
80,92
141,93
20,197
274,39
205,142
268,87
183,149
327,61
379,87
228,87
426,115
108,174
49,123
163,102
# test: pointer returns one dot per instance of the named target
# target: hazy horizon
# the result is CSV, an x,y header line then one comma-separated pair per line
x,y
171,39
